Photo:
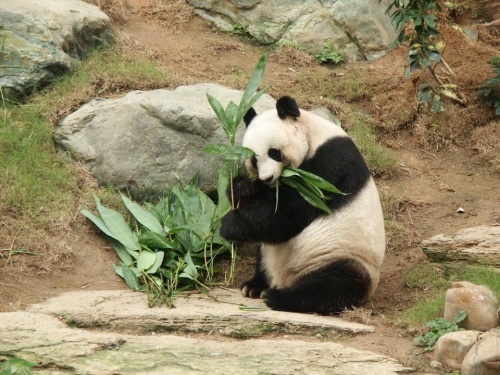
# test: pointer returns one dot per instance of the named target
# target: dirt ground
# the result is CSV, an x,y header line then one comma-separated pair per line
x,y
446,162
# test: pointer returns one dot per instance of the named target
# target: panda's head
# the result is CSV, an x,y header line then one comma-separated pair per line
x,y
277,138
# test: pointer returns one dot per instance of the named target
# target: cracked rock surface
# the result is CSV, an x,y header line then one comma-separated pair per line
x,y
122,335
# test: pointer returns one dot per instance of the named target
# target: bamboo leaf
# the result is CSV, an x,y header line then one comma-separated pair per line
x,y
255,81
123,254
145,260
220,113
157,264
306,193
316,181
118,270
130,278
117,226
190,270
146,218
157,241
97,221
239,153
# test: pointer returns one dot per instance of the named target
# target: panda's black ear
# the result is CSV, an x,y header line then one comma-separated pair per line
x,y
287,106
249,116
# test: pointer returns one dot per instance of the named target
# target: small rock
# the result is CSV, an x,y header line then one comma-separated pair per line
x,y
478,301
436,364
452,347
484,356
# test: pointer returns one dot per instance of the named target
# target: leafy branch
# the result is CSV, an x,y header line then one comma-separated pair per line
x,y
425,50
309,186
173,243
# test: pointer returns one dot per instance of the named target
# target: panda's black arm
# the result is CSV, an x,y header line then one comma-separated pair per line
x,y
258,220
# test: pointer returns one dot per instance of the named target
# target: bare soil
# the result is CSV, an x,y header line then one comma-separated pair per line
x,y
446,162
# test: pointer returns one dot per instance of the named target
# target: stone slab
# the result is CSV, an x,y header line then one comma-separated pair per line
x,y
59,349
223,310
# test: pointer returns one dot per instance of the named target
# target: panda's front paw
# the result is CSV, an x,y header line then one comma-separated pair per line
x,y
251,289
241,188
274,299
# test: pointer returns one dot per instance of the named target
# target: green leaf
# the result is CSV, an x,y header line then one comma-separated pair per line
x,y
317,181
16,366
461,317
231,114
430,20
306,194
97,221
146,259
255,81
117,226
435,56
190,270
216,149
157,264
239,153
156,241
437,104
130,278
118,270
123,254
223,204
146,218
424,93
220,113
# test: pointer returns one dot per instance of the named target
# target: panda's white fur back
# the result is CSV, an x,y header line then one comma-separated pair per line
x,y
355,231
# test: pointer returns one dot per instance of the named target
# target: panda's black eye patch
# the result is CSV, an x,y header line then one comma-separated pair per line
x,y
275,154
254,162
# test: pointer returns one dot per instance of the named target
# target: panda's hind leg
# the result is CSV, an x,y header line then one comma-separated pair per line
x,y
329,290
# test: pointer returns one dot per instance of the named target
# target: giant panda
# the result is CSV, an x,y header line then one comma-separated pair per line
x,y
309,261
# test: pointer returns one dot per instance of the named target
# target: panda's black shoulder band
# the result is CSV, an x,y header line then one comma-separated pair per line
x,y
249,116
287,106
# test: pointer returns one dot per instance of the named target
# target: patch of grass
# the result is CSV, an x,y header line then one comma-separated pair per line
x,y
170,14
32,178
397,232
290,54
426,277
240,29
429,278
34,182
424,310
329,55
478,276
380,160
351,87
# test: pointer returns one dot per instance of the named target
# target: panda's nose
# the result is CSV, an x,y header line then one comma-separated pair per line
x,y
268,180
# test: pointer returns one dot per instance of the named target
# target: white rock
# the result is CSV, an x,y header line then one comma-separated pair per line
x,y
452,347
478,301
484,356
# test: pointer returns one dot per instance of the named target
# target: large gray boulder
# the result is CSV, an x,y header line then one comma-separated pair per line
x,y
147,140
43,39
359,29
